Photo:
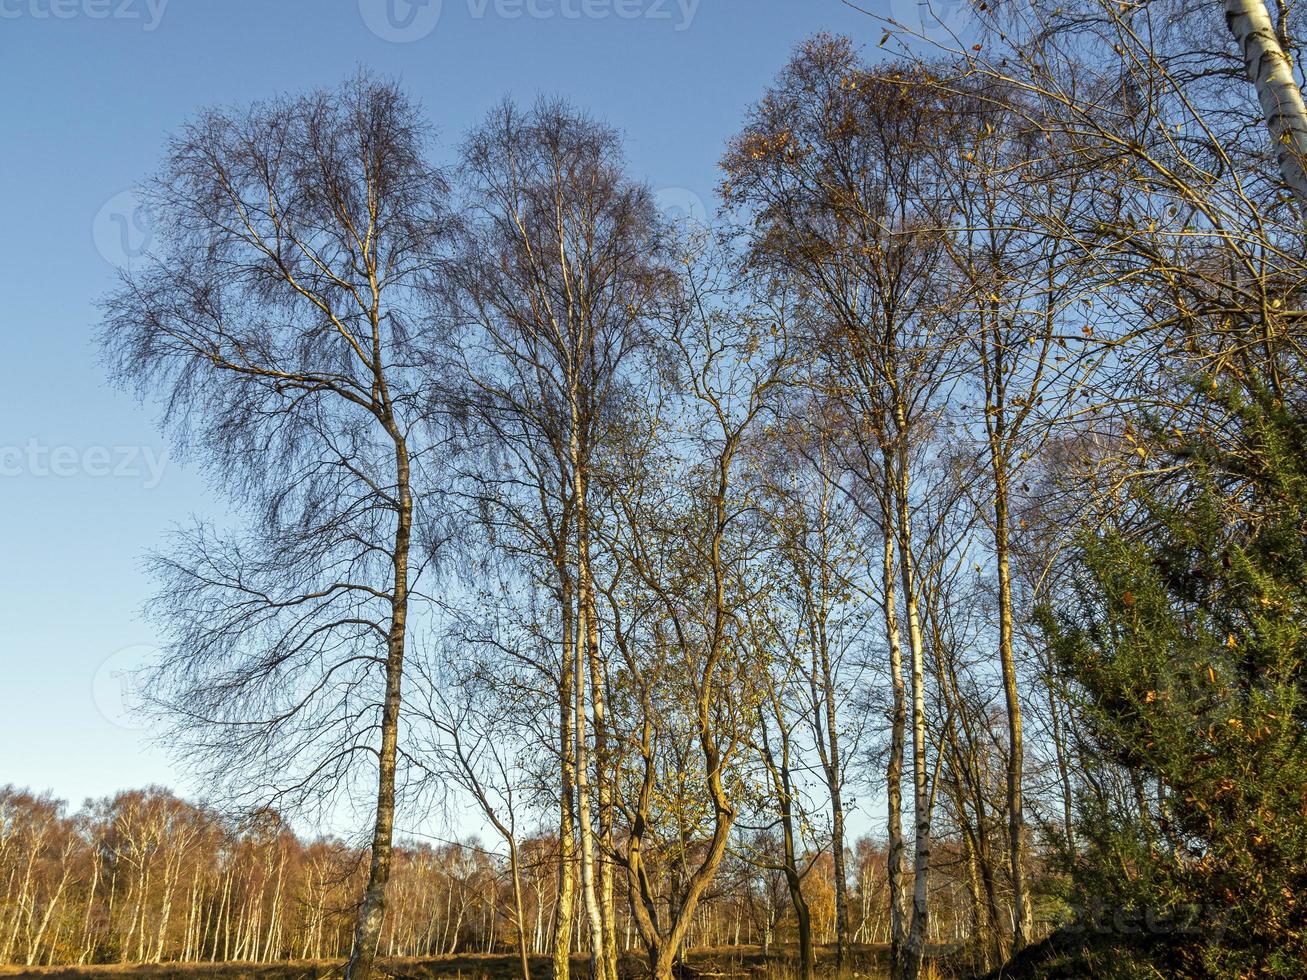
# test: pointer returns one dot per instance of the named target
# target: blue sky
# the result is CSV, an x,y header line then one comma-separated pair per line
x,y
92,88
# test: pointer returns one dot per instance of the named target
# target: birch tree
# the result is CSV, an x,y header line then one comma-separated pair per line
x,y
835,164
562,262
821,540
278,325
687,548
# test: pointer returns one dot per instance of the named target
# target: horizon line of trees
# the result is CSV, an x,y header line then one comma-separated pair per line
x,y
144,876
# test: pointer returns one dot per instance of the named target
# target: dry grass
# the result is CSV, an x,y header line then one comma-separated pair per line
x,y
727,963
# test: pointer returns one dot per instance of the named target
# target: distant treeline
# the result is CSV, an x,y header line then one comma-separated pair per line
x,y
146,877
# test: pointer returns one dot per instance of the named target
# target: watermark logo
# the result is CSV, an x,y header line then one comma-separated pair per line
x,y
400,21
118,688
939,24
681,206
36,459
146,12
123,229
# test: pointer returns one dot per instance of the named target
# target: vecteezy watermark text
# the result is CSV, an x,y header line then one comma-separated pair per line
x,y
680,12
411,20
1105,918
35,459
149,12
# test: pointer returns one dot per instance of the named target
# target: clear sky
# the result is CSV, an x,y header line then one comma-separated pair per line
x,y
91,90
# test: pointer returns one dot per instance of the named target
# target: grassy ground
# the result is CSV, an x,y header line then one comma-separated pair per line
x,y
730,963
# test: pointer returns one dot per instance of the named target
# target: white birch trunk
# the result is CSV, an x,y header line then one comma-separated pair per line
x,y
1271,73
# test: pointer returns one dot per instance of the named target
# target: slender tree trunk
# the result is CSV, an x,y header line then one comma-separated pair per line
x,y
9,947
33,950
87,939
1022,914
969,782
274,920
142,907
794,883
587,658
834,781
1271,72
226,929
604,859
1063,764
918,930
607,910
979,940
519,913
192,913
171,872
563,907
585,831
894,771
368,929
841,879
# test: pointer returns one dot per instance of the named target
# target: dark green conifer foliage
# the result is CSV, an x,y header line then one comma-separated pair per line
x,y
1186,645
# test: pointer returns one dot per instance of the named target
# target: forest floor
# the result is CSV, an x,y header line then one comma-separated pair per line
x,y
726,963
